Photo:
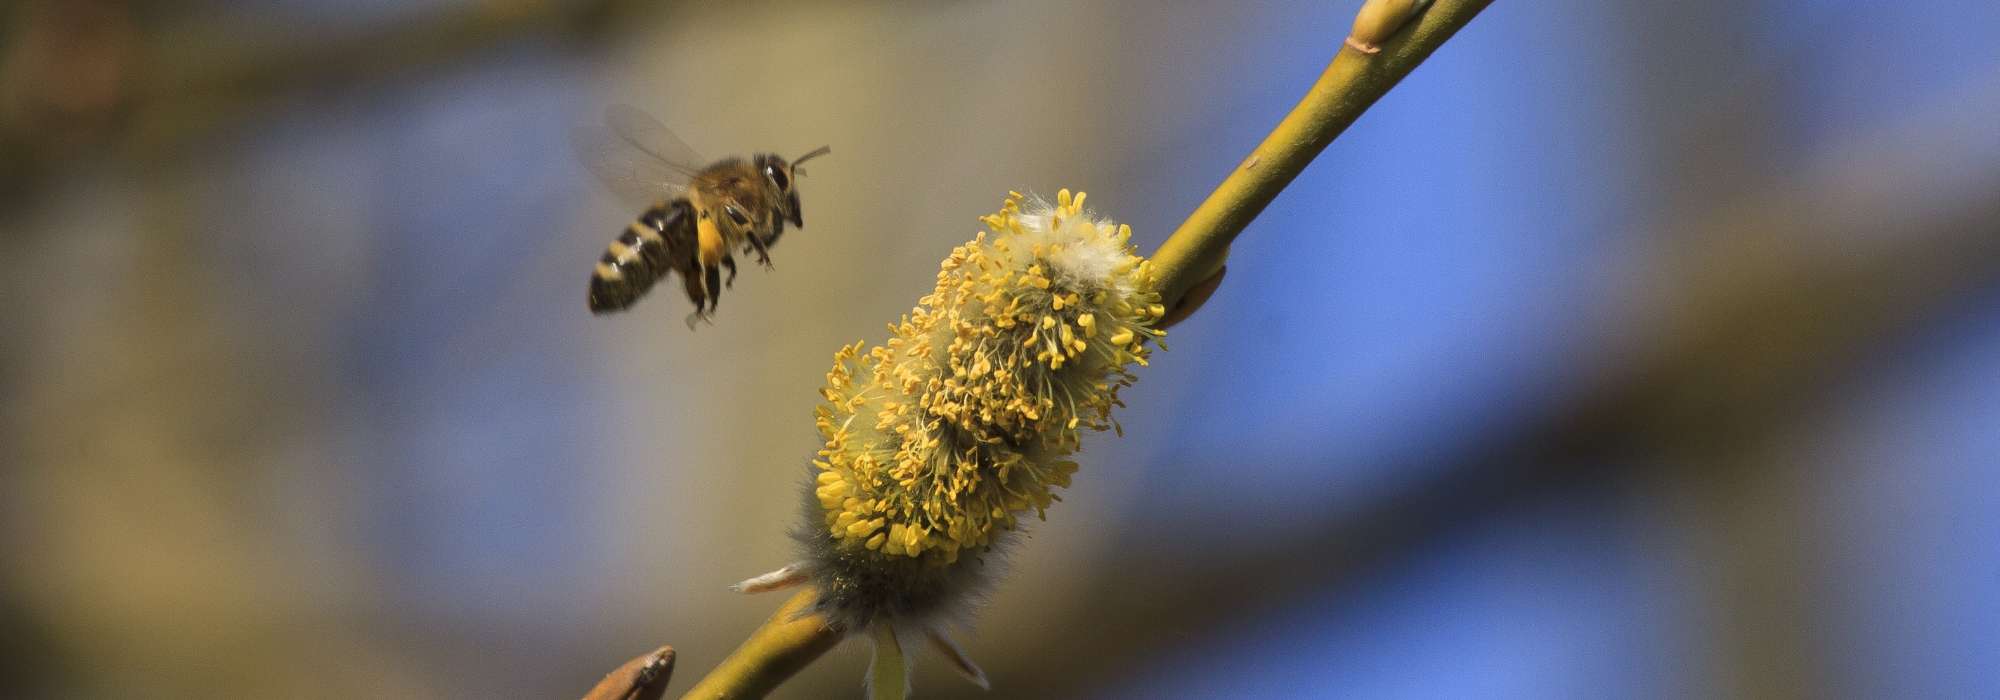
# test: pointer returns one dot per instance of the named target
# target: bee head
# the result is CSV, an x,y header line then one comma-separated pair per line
x,y
784,177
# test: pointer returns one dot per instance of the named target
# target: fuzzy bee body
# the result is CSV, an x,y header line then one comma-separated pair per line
x,y
708,214
642,255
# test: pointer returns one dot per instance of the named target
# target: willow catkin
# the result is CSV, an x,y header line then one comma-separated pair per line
x,y
940,440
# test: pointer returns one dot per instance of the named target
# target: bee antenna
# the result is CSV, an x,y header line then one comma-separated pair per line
x,y
817,152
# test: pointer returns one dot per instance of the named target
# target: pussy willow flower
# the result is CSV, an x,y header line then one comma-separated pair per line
x,y
939,441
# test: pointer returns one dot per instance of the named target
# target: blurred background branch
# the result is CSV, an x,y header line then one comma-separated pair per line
x,y
86,75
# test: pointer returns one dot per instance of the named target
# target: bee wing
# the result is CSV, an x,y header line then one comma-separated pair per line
x,y
642,130
635,156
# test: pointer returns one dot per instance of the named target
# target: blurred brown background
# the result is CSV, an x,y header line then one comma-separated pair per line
x,y
1640,350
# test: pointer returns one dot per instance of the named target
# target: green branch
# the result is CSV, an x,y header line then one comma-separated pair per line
x,y
792,639
1350,84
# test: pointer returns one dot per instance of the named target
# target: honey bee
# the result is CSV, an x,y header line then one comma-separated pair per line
x,y
695,217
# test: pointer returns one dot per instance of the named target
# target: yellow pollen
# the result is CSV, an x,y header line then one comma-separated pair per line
x,y
939,439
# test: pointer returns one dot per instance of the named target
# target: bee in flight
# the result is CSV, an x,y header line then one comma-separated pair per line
x,y
696,217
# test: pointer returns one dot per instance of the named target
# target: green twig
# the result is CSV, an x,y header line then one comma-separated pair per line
x,y
787,643
1350,84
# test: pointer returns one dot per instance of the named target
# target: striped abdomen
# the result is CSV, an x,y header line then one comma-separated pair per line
x,y
643,254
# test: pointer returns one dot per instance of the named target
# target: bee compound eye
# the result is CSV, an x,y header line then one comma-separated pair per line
x,y
777,176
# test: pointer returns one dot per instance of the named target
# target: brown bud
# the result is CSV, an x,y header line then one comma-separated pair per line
x,y
642,678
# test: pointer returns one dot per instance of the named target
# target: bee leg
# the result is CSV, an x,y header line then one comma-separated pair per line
x,y
714,287
729,262
692,285
763,251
